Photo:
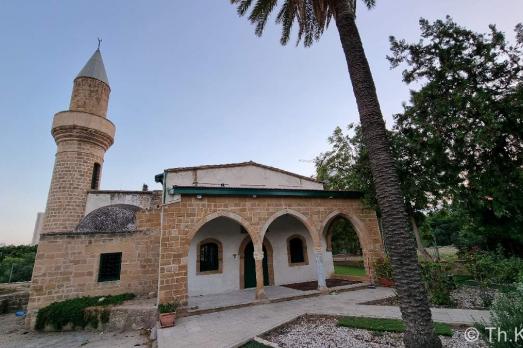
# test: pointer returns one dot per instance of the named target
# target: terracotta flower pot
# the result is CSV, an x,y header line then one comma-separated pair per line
x,y
167,319
389,283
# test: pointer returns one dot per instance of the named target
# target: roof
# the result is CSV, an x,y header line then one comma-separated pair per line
x,y
240,164
95,68
260,192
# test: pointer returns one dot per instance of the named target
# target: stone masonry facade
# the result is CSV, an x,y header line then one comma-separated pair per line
x,y
155,256
72,170
66,265
83,134
182,220
153,237
90,96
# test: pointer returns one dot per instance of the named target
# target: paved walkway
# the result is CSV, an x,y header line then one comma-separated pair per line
x,y
234,327
246,296
239,297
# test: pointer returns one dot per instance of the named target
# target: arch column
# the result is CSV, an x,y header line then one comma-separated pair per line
x,y
258,261
320,271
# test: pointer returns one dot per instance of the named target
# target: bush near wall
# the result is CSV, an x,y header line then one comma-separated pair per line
x,y
78,312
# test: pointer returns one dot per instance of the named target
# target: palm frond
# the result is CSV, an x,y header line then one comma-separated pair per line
x,y
313,16
260,14
369,3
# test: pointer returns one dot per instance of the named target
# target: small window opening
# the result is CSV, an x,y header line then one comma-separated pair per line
x,y
110,267
209,258
95,180
296,250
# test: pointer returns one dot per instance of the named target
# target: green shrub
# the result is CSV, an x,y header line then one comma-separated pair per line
x,y
383,268
73,311
493,269
506,315
438,282
168,307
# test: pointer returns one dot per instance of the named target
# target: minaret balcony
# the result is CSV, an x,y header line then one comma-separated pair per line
x,y
83,127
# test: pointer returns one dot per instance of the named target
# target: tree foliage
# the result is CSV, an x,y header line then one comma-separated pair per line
x,y
458,144
463,129
16,263
344,238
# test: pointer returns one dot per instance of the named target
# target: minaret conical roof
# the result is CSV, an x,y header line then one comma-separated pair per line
x,y
95,68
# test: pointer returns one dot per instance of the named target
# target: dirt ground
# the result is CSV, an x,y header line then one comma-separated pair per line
x,y
13,334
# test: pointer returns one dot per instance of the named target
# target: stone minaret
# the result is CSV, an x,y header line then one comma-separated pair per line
x,y
82,135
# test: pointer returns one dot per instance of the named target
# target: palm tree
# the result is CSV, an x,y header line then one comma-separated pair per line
x,y
312,18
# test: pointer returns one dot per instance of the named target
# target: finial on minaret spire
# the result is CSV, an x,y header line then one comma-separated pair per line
x,y
95,67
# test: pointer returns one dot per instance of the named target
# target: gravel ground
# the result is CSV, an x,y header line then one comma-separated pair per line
x,y
464,297
322,331
472,297
14,335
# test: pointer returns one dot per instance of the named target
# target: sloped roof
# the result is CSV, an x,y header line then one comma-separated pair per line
x,y
240,164
95,68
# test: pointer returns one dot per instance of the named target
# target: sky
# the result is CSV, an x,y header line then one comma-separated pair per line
x,y
191,84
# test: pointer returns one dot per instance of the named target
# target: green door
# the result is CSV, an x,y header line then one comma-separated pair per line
x,y
250,267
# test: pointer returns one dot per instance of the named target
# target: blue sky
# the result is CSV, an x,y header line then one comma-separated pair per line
x,y
191,84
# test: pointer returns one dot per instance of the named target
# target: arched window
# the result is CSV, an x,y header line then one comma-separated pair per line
x,y
95,180
297,251
209,257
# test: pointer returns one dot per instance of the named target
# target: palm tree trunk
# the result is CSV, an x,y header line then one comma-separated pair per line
x,y
401,246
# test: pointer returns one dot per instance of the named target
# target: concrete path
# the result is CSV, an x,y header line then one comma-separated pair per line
x,y
248,296
239,297
234,327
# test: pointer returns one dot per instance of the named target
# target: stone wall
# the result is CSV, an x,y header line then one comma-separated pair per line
x,y
70,182
183,219
90,95
155,257
67,265
13,296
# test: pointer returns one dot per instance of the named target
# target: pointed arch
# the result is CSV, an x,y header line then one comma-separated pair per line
x,y
226,214
358,225
361,232
302,218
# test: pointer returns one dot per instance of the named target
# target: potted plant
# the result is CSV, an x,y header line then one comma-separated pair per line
x,y
167,313
383,271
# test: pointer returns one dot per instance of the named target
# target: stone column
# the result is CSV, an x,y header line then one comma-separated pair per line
x,y
258,260
318,256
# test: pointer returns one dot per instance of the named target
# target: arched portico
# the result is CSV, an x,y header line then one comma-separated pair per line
x,y
300,269
313,210
221,231
360,229
299,216
226,214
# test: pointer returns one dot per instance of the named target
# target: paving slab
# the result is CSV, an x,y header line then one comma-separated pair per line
x,y
232,328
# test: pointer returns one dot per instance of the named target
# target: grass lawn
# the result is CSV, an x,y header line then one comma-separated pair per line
x,y
391,325
349,270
